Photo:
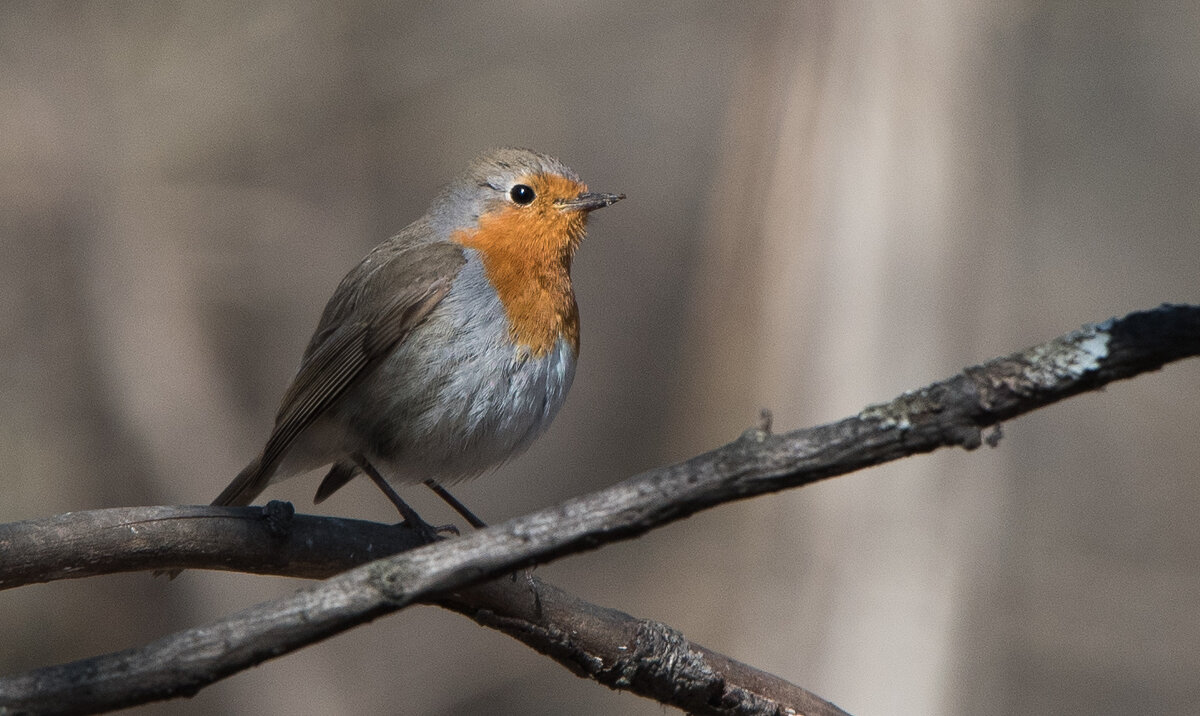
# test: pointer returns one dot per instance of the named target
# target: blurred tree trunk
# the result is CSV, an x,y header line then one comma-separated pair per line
x,y
903,189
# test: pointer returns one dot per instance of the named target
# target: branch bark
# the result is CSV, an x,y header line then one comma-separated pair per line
x,y
948,413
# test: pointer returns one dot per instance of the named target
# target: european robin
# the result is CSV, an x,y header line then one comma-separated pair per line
x,y
450,348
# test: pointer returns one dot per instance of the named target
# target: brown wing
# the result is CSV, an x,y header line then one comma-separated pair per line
x,y
372,310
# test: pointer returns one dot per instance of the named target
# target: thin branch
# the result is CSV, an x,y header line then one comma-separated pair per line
x,y
611,647
948,413
263,540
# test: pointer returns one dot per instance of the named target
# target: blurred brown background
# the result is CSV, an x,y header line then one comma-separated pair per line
x,y
829,203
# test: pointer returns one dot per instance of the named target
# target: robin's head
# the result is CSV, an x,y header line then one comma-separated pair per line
x,y
525,213
519,200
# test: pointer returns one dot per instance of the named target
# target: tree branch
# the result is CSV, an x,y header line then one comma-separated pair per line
x,y
948,413
606,645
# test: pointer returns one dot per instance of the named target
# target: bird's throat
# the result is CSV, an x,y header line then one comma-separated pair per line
x,y
527,259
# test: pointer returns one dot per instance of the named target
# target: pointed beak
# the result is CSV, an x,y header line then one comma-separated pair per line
x,y
590,201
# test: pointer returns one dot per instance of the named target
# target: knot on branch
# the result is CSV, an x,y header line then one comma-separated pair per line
x,y
278,517
394,582
760,432
661,656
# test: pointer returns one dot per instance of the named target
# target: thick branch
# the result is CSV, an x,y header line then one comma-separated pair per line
x,y
609,646
944,414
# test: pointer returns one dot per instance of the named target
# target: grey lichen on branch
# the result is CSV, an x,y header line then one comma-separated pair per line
x,y
1069,357
1044,367
986,394
908,409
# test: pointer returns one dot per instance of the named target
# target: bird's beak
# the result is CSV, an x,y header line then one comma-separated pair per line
x,y
590,201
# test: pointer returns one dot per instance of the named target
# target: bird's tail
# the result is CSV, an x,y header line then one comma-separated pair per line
x,y
248,484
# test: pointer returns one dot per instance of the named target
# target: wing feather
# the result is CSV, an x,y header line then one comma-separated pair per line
x,y
378,303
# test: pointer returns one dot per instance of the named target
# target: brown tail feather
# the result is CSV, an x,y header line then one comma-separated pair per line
x,y
248,484
339,475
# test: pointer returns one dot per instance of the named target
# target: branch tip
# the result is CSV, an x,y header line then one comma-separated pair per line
x,y
765,420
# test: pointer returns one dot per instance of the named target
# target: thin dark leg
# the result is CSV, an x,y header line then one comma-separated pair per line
x,y
459,507
479,524
411,518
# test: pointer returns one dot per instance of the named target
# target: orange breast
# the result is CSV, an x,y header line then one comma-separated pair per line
x,y
526,255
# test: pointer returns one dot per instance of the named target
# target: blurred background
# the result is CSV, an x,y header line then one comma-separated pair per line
x,y
829,203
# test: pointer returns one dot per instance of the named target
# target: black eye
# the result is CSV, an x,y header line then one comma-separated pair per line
x,y
522,194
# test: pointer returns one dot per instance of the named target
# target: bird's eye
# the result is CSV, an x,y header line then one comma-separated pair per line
x,y
522,194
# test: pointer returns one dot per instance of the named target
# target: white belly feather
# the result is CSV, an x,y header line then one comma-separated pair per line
x,y
460,398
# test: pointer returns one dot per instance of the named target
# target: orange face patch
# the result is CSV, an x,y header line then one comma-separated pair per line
x,y
526,253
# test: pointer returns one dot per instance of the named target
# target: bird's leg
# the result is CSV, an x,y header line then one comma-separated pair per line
x,y
459,507
411,518
479,524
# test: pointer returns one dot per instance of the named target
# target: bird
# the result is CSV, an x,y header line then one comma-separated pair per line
x,y
449,348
